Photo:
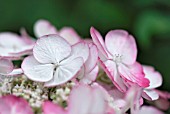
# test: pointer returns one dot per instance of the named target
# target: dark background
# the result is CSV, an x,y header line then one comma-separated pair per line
x,y
147,20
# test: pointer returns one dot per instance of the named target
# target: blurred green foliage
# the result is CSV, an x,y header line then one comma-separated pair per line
x,y
147,20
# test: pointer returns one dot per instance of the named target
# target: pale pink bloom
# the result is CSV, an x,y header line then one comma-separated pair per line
x,y
43,27
53,61
118,58
155,79
82,100
14,105
12,46
148,110
7,68
90,68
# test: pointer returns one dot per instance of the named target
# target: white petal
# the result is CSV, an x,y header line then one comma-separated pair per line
x,y
43,27
150,94
80,49
37,71
66,71
80,100
92,59
51,49
6,66
154,77
70,35
16,72
91,76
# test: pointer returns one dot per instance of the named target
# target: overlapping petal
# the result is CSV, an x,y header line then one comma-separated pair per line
x,y
66,71
70,35
51,49
37,71
43,27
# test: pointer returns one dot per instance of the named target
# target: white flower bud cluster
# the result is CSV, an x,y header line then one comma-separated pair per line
x,y
60,94
5,85
34,93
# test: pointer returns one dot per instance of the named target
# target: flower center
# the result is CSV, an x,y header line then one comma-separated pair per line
x,y
117,58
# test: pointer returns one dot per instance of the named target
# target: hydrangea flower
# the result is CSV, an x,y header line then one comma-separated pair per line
x,y
53,61
43,27
14,105
155,79
118,58
82,100
13,46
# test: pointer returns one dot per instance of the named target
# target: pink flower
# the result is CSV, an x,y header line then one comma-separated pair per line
x,y
118,58
13,46
14,105
53,61
43,27
155,79
82,100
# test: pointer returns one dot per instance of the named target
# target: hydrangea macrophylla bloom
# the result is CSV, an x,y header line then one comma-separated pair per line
x,y
118,58
82,100
13,46
53,61
14,105
155,79
43,27
90,68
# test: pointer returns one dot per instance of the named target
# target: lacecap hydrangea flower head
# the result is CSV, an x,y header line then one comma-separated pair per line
x,y
62,73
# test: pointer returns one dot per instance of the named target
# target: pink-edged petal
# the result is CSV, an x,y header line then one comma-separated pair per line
x,y
66,71
99,105
14,105
80,49
16,72
112,72
154,77
70,35
98,41
80,100
91,76
37,71
149,110
86,100
92,59
120,42
51,49
26,37
134,74
10,40
13,46
150,94
43,27
51,108
6,66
